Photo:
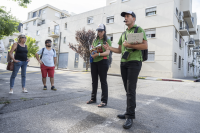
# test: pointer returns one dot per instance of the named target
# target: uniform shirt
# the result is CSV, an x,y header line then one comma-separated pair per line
x,y
137,54
47,57
95,43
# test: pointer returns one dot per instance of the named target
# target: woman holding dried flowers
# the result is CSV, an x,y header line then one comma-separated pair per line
x,y
99,66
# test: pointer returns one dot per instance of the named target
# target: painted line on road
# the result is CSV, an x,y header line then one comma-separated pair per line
x,y
85,73
32,72
150,101
5,72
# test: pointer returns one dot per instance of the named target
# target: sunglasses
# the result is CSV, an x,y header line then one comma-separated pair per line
x,y
23,37
49,42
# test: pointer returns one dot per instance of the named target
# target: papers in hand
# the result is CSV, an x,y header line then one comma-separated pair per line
x,y
135,38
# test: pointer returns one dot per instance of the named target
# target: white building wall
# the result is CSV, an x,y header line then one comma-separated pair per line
x,y
164,44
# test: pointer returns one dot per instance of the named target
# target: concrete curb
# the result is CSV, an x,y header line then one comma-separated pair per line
x,y
141,77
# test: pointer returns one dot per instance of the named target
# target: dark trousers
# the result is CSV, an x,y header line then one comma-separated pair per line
x,y
130,71
99,69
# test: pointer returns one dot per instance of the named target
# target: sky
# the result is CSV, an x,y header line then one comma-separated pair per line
x,y
76,6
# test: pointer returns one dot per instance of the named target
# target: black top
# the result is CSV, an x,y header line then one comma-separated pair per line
x,y
21,53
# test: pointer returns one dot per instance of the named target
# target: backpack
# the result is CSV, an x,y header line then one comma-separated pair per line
x,y
43,51
144,52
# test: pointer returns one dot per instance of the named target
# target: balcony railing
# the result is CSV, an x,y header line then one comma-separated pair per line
x,y
186,27
54,33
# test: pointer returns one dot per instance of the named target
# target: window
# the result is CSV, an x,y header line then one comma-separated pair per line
x,y
180,43
151,11
57,14
90,20
55,42
34,22
110,36
65,25
179,62
110,19
188,66
26,28
150,33
37,32
176,34
175,57
56,29
39,13
43,11
43,21
64,41
48,29
151,56
34,14
176,11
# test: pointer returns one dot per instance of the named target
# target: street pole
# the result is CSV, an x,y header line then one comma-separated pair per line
x,y
59,49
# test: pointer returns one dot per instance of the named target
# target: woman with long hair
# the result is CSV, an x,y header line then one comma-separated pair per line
x,y
20,60
99,67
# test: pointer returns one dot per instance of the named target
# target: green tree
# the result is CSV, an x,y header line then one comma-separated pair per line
x,y
8,23
23,3
32,48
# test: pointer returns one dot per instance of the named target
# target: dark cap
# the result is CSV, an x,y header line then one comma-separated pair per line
x,y
48,40
129,12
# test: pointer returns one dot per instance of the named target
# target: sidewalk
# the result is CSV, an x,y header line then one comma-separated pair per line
x,y
32,68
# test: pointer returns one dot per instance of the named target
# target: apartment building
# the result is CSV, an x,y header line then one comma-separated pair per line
x,y
170,25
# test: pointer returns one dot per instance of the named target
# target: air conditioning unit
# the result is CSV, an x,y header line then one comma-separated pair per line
x,y
38,24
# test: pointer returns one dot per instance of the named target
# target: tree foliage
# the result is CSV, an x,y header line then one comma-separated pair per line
x,y
23,3
8,23
32,48
85,40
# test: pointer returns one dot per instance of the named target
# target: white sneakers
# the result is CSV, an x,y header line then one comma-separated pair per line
x,y
23,91
11,92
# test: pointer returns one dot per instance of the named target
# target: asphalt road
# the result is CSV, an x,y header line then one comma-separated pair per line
x,y
162,107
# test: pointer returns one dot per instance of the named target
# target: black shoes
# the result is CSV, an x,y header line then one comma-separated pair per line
x,y
128,123
121,116
53,88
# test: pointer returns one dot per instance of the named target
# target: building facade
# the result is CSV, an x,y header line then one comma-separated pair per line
x,y
170,25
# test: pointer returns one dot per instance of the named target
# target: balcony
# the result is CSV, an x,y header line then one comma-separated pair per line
x,y
196,49
41,23
54,33
198,54
191,43
197,36
184,30
188,18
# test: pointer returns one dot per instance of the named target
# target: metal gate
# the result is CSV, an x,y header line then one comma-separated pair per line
x,y
63,60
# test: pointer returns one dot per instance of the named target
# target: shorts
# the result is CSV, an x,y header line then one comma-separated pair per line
x,y
46,69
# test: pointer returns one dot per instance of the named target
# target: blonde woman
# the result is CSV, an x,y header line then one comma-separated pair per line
x,y
20,60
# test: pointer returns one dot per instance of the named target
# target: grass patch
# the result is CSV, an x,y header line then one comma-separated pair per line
x,y
26,99
141,78
5,102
